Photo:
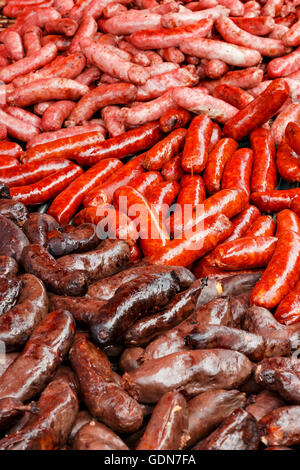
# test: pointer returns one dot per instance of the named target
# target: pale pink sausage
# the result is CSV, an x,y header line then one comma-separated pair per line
x,y
233,34
131,22
172,54
14,45
111,63
102,95
114,123
32,40
236,8
229,53
88,76
62,133
54,116
16,128
215,69
28,64
197,102
63,6
40,108
272,8
87,29
159,84
283,66
24,115
290,113
292,37
3,132
246,78
164,67
47,90
64,26
113,9
147,112
173,20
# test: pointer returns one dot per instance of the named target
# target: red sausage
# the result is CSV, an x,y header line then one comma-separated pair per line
x,y
47,188
65,26
32,172
283,66
237,171
287,220
243,221
195,244
143,183
104,193
245,253
287,311
174,118
14,46
217,160
281,274
195,152
55,115
10,149
7,162
172,170
292,135
264,226
32,40
276,200
164,150
258,111
129,143
233,95
264,174
68,201
162,196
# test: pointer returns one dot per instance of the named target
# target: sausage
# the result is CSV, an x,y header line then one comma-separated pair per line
x,y
263,226
231,33
28,64
264,174
158,376
283,66
33,172
287,220
44,351
237,432
83,309
83,238
182,306
110,257
146,112
17,128
164,150
97,436
10,290
106,288
69,200
17,323
281,274
49,429
129,143
281,426
209,409
132,21
102,95
186,18
281,375
37,226
237,171
144,182
287,311
194,100
46,188
290,113
14,46
162,197
55,115
215,68
10,149
8,266
24,115
111,404
113,121
195,152
65,26
167,428
8,162
36,260
235,96
216,162
264,404
160,83
287,163
195,243
274,201
12,240
258,111
109,62
126,307
260,26
11,411
245,253
164,38
4,191
32,40
45,90
173,119
292,135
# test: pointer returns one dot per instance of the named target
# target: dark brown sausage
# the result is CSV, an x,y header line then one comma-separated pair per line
x,y
44,351
16,211
37,226
282,427
97,436
101,390
38,261
12,239
10,289
8,266
264,404
17,324
83,238
10,411
83,309
4,191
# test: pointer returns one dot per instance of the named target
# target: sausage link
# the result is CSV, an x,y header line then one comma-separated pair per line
x,y
287,312
113,122
32,40
69,200
83,238
38,226
264,174
292,135
8,162
274,201
283,66
290,113
173,119
217,159
164,150
195,152
65,26
55,115
258,111
237,171
24,115
235,96
10,149
96,436
161,197
172,170
287,220
17,128
263,226
281,274
45,350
